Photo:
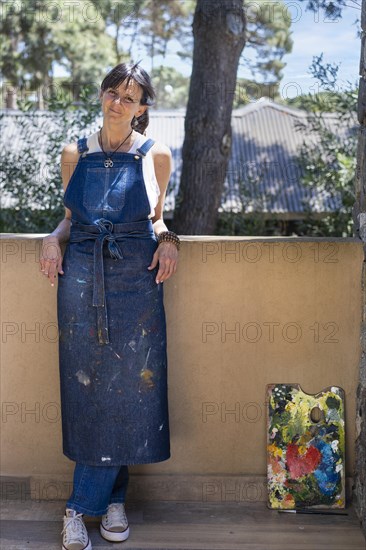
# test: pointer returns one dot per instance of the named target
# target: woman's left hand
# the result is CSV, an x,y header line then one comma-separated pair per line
x,y
167,256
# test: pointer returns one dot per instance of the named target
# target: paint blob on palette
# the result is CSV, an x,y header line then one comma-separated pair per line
x,y
305,447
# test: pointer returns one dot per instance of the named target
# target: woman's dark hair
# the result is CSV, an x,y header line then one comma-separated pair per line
x,y
126,72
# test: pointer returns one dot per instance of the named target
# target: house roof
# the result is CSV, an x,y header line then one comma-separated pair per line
x,y
265,145
263,173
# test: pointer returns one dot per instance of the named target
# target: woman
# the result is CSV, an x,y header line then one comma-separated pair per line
x,y
112,336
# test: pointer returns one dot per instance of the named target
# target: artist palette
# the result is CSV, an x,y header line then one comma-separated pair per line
x,y
305,447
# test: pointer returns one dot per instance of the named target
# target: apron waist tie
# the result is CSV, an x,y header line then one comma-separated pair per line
x,y
102,231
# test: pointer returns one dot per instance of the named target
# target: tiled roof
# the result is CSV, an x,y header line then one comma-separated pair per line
x,y
263,157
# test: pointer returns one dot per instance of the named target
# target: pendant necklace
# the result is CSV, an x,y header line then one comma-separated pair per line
x,y
108,163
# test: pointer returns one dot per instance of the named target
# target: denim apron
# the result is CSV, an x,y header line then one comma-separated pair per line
x,y
112,332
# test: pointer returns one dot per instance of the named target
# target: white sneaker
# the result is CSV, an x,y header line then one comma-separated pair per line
x,y
114,526
75,534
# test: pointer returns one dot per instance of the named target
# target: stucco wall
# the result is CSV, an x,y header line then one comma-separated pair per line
x,y
241,312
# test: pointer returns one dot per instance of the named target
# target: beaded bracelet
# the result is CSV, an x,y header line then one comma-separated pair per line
x,y
169,236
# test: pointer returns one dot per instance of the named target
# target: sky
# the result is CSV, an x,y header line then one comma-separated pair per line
x,y
312,34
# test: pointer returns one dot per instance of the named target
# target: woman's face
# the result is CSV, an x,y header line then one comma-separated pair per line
x,y
122,102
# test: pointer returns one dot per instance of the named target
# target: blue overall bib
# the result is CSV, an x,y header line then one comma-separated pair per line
x,y
112,332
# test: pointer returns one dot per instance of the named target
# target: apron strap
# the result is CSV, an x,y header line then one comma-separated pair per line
x,y
82,146
145,148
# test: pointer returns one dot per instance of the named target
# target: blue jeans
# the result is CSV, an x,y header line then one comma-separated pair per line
x,y
95,487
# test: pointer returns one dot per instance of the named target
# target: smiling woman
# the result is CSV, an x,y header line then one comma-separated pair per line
x,y
129,107
119,92
112,333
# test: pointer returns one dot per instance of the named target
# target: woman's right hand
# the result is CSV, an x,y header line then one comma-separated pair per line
x,y
51,258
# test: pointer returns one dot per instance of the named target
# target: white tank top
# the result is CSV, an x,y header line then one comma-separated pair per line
x,y
148,171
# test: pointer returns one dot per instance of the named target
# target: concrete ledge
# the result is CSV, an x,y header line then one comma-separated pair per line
x,y
146,488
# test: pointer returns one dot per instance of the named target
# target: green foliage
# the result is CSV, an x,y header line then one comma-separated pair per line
x,y
87,38
248,91
247,216
234,224
162,21
324,101
30,181
44,33
332,8
28,47
171,88
329,162
268,40
29,201
87,43
268,30
327,158
87,49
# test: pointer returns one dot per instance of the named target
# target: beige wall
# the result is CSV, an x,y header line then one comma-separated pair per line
x,y
293,307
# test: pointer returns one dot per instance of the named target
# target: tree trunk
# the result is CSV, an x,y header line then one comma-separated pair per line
x,y
359,485
219,38
40,98
11,96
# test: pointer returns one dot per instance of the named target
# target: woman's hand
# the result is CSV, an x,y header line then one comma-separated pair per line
x,y
167,256
51,258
